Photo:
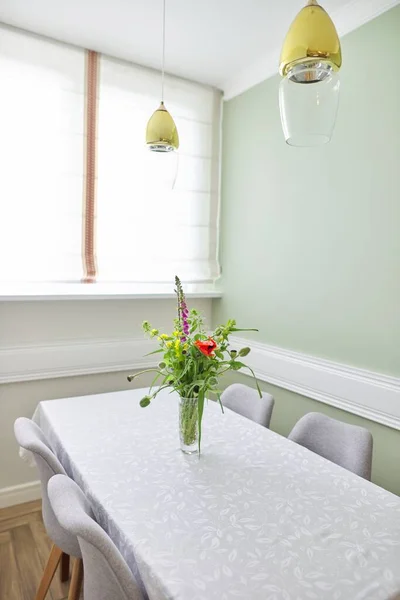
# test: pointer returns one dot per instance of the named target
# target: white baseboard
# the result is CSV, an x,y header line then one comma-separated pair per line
x,y
18,494
365,393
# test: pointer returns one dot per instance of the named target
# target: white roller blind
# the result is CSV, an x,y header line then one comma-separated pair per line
x,y
145,234
41,157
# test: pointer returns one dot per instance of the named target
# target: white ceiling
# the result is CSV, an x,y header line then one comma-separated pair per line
x,y
230,44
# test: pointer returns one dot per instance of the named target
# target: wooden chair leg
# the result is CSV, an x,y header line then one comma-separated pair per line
x,y
51,567
64,567
76,580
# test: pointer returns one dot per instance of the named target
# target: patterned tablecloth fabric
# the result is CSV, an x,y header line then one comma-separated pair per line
x,y
256,517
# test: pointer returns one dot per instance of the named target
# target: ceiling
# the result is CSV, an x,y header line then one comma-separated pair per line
x,y
230,44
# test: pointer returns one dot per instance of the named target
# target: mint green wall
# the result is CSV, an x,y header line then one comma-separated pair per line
x,y
310,241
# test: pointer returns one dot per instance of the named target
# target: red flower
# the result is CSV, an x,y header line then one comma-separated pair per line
x,y
206,347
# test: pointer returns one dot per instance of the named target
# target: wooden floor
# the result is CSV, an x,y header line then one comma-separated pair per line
x,y
24,549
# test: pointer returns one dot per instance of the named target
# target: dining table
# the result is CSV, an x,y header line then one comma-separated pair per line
x,y
254,516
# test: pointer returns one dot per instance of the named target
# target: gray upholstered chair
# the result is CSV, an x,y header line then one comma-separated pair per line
x,y
31,437
346,445
107,576
246,401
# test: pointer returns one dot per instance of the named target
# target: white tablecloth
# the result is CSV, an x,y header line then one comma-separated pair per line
x,y
256,517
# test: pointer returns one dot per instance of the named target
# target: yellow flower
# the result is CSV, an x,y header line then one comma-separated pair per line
x,y
153,332
164,336
169,344
177,334
185,346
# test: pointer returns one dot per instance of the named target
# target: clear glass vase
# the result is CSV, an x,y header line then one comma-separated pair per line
x,y
188,425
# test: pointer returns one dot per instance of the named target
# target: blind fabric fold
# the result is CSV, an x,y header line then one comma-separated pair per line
x,y
80,194
41,153
146,232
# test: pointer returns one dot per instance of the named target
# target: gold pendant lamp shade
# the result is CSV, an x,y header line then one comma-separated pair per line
x,y
309,92
161,131
312,36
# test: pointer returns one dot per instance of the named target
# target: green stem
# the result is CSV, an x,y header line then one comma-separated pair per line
x,y
188,419
132,377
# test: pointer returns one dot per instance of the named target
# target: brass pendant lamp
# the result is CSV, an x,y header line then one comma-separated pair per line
x,y
161,132
309,92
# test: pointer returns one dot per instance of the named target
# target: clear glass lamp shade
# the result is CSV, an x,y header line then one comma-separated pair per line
x,y
309,100
161,169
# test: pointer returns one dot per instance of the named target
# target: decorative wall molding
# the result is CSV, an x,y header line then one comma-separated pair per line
x,y
365,393
349,17
18,494
371,395
29,363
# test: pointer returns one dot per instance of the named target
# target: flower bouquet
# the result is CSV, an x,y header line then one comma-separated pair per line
x,y
191,365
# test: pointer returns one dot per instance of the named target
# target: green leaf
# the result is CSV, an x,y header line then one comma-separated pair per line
x,y
200,409
155,351
220,403
188,364
144,401
161,365
244,351
236,329
155,380
243,366
255,379
237,365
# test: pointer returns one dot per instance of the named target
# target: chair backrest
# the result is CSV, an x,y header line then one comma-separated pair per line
x,y
346,445
246,401
106,573
32,438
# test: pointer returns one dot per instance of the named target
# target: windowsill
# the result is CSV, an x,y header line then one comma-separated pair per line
x,y
102,291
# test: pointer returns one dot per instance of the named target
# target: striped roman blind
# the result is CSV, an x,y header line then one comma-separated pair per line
x,y
80,199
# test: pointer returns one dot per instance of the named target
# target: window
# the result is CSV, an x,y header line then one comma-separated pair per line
x,y
41,157
144,233
141,232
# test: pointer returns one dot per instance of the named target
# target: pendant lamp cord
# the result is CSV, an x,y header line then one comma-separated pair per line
x,y
163,56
